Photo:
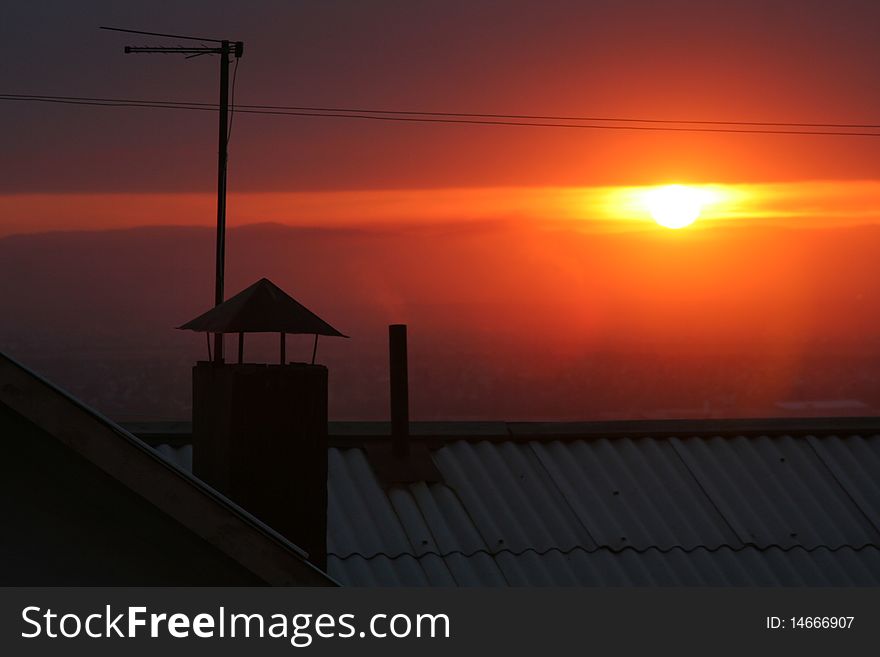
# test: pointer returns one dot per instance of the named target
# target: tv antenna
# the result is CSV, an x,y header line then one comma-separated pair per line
x,y
224,48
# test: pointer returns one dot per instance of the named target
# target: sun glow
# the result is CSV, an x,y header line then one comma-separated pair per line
x,y
675,206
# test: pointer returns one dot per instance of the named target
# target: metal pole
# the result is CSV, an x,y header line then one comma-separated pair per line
x,y
223,133
315,349
224,51
399,390
283,357
240,348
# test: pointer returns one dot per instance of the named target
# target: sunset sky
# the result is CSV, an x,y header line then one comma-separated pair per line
x,y
68,167
497,245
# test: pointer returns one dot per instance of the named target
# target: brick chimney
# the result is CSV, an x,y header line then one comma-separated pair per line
x,y
260,437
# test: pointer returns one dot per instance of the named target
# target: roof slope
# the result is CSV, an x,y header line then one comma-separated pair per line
x,y
651,511
577,508
176,493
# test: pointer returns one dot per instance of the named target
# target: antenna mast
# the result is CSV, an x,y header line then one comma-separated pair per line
x,y
224,48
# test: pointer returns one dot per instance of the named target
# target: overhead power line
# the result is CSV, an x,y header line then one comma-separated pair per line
x,y
464,118
537,117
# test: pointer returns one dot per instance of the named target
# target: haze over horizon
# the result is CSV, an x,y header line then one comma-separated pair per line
x,y
529,323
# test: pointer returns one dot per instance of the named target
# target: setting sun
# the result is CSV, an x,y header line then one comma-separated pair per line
x,y
675,206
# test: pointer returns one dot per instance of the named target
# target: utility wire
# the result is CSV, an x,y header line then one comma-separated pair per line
x,y
536,117
539,117
450,118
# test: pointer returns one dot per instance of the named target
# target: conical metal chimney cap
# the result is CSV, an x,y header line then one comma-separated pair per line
x,y
261,308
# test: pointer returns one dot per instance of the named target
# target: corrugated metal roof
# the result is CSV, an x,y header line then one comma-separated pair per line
x,y
701,567
777,491
854,461
634,493
647,511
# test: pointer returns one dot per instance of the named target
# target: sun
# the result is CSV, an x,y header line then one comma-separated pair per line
x,y
675,206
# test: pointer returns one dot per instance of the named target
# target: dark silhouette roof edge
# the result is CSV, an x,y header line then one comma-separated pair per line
x,y
10,393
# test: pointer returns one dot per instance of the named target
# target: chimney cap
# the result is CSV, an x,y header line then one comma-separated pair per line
x,y
261,308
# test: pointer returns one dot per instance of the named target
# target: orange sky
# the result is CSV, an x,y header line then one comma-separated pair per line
x,y
618,208
86,168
